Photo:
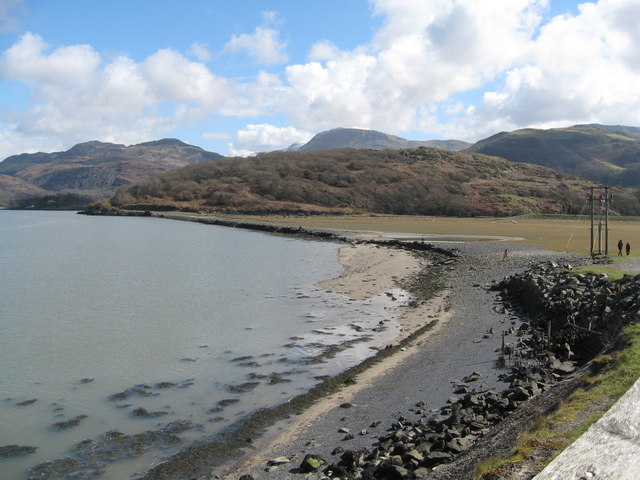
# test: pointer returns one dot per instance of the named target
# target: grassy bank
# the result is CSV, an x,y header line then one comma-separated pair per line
x,y
611,376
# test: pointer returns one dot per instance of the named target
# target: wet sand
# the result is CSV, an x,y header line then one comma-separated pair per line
x,y
369,270
423,371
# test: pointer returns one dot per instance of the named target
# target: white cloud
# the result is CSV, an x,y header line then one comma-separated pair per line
x,y
425,53
200,51
323,50
77,95
264,137
263,45
67,67
454,68
579,70
576,68
173,77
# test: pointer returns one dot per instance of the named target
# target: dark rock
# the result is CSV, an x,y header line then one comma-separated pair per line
x,y
142,412
312,462
54,468
436,458
15,450
393,472
228,401
244,387
73,422
138,390
166,385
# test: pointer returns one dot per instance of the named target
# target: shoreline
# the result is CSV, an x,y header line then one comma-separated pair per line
x,y
382,391
385,262
360,261
389,384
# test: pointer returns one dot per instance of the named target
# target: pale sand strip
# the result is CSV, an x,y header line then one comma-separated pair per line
x,y
369,270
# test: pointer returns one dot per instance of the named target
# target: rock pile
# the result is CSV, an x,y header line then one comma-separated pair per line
x,y
585,313
412,448
582,312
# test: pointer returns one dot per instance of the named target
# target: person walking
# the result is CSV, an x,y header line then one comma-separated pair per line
x,y
620,245
628,248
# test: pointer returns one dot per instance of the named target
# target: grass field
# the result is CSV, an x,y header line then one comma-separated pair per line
x,y
569,234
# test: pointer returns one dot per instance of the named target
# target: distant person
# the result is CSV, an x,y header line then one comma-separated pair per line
x,y
628,248
505,254
620,245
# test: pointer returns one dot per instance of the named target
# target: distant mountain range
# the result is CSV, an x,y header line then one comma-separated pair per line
x,y
357,138
608,154
94,169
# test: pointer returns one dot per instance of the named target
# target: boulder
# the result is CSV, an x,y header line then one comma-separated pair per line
x,y
312,462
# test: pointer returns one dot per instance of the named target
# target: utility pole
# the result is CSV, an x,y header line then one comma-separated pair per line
x,y
591,209
606,220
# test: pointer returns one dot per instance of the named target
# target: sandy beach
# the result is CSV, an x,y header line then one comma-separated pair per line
x,y
462,341
369,270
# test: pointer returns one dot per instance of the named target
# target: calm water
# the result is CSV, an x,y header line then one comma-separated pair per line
x,y
93,306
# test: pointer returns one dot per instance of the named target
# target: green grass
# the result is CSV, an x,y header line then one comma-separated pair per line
x,y
612,272
613,376
610,165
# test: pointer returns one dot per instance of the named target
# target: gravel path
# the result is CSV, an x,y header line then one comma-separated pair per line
x,y
462,346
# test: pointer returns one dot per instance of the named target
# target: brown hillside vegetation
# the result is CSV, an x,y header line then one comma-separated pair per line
x,y
15,188
424,180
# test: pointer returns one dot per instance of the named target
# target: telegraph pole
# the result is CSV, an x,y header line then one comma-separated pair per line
x,y
591,209
606,220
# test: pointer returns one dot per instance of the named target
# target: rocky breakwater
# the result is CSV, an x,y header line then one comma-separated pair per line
x,y
574,315
567,319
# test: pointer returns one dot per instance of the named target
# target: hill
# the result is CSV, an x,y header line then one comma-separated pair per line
x,y
94,168
608,154
12,188
372,139
424,181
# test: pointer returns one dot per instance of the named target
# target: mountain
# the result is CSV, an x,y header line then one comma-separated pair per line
x,y
609,154
424,180
12,188
357,138
95,168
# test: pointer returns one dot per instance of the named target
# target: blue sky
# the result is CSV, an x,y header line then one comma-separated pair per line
x,y
248,76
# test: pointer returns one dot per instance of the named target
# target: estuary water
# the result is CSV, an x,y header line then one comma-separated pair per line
x,y
128,324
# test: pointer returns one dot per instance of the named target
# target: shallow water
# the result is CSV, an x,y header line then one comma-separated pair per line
x,y
93,306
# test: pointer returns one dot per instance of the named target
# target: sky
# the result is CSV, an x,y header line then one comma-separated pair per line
x,y
244,76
